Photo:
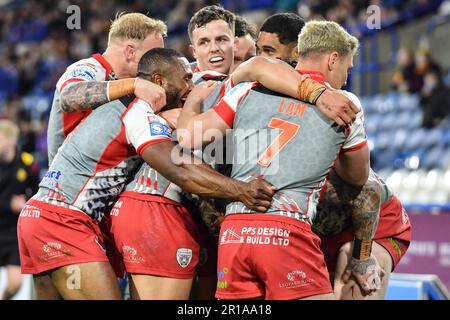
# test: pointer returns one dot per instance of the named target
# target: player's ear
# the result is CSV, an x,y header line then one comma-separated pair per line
x,y
294,53
333,59
192,51
129,51
158,79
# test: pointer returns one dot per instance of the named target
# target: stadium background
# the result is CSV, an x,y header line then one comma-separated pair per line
x,y
409,137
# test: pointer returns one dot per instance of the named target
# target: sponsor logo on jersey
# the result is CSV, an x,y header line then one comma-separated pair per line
x,y
159,129
52,250
221,278
296,279
266,236
130,255
230,237
184,256
51,178
53,175
83,72
30,212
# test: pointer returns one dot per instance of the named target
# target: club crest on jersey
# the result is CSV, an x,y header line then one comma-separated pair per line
x,y
159,129
184,257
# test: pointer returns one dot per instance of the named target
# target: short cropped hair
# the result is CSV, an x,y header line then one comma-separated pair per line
x,y
9,129
135,26
242,28
286,26
326,36
158,60
208,14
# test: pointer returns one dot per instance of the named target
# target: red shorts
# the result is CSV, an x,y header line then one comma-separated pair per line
x,y
269,256
155,236
51,237
393,234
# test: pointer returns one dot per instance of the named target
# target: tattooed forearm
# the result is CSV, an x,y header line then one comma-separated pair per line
x,y
84,95
345,204
366,210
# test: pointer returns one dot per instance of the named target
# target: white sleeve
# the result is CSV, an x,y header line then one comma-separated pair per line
x,y
357,137
83,70
143,127
227,106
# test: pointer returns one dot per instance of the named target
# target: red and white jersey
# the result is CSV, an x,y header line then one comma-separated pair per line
x,y
150,182
286,141
101,156
60,124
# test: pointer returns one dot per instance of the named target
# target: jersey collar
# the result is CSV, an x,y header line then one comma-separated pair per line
x,y
316,75
105,64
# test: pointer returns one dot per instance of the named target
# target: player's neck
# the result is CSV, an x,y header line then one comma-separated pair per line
x,y
311,65
114,61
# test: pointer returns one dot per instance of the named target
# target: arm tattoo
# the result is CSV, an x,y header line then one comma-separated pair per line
x,y
366,210
84,95
345,205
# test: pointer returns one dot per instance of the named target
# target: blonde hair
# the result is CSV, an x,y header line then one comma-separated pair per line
x,y
325,36
135,26
9,129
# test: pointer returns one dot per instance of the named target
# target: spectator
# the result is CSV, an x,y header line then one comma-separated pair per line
x,y
405,78
18,181
435,99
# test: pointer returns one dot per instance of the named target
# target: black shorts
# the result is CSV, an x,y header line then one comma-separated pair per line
x,y
9,254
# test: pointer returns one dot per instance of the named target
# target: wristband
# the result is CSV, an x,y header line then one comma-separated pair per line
x,y
310,90
361,249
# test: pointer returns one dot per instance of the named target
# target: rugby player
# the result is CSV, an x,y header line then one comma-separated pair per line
x,y
211,31
285,232
341,212
94,81
278,37
59,239
393,235
245,45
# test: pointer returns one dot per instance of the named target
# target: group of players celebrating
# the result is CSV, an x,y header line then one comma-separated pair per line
x,y
129,188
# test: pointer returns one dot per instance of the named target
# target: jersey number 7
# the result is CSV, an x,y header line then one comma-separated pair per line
x,y
287,131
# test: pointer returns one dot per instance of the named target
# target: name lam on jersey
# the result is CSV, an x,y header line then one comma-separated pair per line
x,y
292,108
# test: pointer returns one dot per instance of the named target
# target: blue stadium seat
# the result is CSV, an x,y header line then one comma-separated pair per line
x,y
433,158
415,140
399,139
446,138
432,138
415,119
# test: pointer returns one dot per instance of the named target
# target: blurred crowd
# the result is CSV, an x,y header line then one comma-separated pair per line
x,y
418,73
36,46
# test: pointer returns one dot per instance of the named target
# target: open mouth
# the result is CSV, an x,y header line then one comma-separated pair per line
x,y
215,61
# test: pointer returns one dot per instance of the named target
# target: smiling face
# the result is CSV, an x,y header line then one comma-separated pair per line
x,y
178,84
212,46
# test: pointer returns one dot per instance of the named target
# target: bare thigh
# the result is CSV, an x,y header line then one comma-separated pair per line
x,y
147,287
86,281
351,290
